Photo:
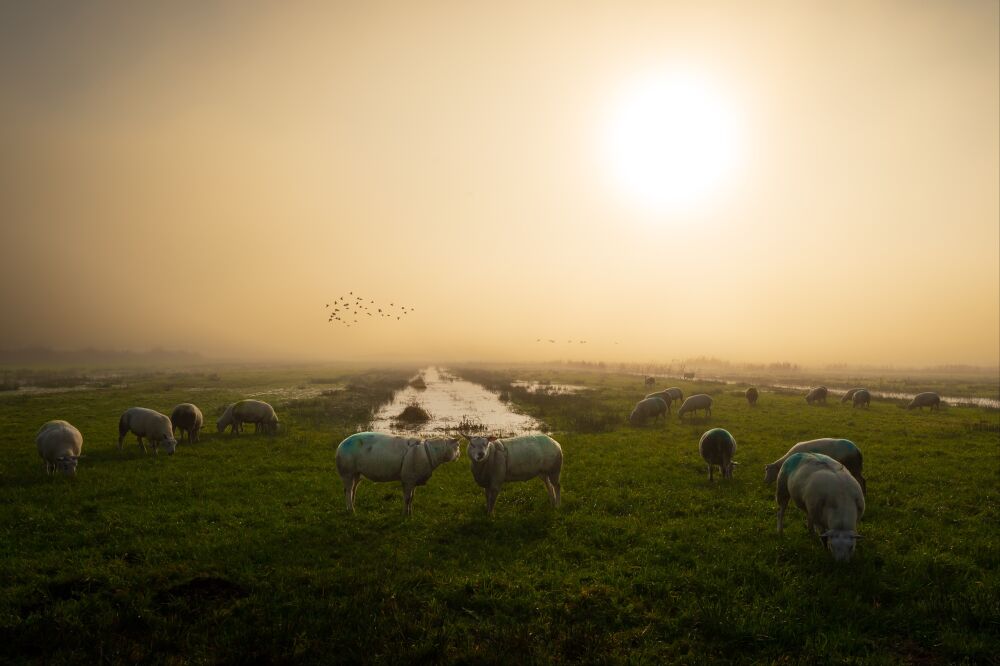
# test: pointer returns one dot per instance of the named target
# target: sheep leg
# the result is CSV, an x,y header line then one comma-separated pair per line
x,y
491,499
550,485
350,488
782,505
710,477
141,443
408,492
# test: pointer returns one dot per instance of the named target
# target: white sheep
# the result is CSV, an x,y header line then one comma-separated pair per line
x,y
831,498
694,403
382,457
646,408
849,396
843,451
862,397
817,394
154,426
188,419
929,399
664,396
752,395
717,447
675,393
59,445
257,412
498,461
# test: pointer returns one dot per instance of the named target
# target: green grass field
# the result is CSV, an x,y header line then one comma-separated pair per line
x,y
238,549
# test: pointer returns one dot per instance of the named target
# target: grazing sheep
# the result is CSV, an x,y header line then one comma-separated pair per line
x,y
150,424
675,394
817,394
850,395
862,397
696,402
646,408
718,447
381,457
831,498
664,396
498,461
752,394
929,399
650,381
188,419
843,451
688,375
257,412
59,445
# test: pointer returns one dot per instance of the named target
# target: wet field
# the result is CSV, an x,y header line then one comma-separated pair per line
x,y
452,404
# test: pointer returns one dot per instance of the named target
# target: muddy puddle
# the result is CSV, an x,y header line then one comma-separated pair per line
x,y
452,404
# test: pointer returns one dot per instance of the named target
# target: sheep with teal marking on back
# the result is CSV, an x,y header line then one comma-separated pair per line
x,y
830,496
648,408
717,447
843,451
499,461
665,396
383,457
849,396
862,398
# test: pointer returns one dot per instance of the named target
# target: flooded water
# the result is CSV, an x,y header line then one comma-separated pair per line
x,y
453,404
545,387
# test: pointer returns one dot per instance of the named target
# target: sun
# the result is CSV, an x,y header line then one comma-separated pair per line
x,y
672,141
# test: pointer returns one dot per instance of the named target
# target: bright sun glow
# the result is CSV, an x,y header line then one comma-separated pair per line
x,y
672,141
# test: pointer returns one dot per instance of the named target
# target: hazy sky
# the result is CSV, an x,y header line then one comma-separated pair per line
x,y
207,175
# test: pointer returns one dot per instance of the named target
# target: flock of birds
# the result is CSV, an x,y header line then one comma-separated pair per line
x,y
351,310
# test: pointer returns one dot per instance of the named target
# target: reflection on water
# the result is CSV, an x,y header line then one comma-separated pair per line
x,y
452,403
546,387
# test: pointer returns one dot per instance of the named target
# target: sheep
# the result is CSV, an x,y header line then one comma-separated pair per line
x,y
188,419
675,393
650,381
929,399
648,407
862,397
150,424
843,451
688,375
664,396
59,445
817,394
718,447
257,412
752,394
696,402
382,457
830,496
849,395
497,461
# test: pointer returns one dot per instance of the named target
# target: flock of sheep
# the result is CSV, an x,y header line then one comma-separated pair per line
x,y
822,476
60,444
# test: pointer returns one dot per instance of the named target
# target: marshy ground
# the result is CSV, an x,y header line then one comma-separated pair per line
x,y
239,549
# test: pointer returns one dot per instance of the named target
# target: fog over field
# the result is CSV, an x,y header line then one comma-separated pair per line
x,y
804,183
